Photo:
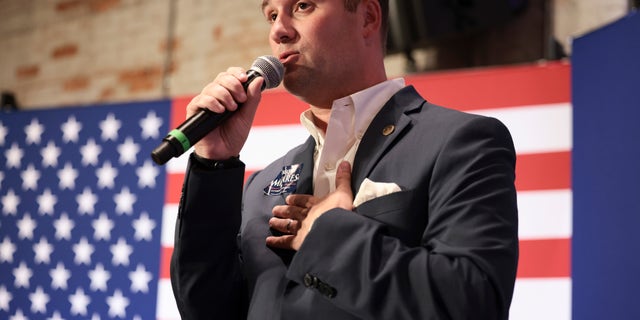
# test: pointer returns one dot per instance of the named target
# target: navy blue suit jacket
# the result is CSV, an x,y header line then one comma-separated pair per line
x,y
445,247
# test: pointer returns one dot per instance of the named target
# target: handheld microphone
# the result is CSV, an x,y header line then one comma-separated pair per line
x,y
179,140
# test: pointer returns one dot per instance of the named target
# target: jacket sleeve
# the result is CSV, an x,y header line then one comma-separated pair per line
x,y
465,265
205,265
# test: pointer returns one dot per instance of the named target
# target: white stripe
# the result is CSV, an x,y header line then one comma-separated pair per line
x,y
537,128
545,214
535,299
268,143
169,216
542,215
264,144
178,165
166,308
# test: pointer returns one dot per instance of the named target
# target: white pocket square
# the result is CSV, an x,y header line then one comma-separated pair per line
x,y
370,190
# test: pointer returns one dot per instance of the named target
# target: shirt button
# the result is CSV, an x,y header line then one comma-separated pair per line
x,y
329,166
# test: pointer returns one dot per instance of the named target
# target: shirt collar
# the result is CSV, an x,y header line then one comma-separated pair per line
x,y
366,103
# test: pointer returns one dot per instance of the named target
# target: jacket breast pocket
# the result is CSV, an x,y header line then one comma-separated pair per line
x,y
403,213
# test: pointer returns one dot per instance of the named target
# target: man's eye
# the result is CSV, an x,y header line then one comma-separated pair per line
x,y
303,6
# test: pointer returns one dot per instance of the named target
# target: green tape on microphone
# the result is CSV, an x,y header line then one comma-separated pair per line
x,y
184,141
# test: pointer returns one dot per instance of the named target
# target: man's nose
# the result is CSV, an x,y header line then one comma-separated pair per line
x,y
282,30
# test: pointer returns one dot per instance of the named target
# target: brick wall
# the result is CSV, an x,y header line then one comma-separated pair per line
x,y
70,52
574,18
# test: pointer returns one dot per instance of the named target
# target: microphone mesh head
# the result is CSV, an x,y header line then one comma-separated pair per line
x,y
271,69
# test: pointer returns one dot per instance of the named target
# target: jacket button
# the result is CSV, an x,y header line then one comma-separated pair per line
x,y
310,281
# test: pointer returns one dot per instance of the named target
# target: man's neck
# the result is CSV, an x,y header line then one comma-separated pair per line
x,y
322,113
321,117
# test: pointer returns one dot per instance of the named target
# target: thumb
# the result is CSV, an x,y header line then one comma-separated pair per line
x,y
254,91
343,177
255,87
254,95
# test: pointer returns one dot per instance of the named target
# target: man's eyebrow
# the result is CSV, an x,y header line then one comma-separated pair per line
x,y
264,4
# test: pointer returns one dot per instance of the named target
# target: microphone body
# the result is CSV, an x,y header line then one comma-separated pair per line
x,y
180,139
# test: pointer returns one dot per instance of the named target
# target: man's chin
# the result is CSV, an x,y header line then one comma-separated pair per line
x,y
295,82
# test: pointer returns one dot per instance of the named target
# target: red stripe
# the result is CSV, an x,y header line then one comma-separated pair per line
x,y
495,87
537,171
174,188
248,174
165,260
545,258
279,107
543,171
179,110
548,258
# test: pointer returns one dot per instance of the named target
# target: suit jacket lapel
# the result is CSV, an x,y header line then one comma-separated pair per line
x,y
305,157
377,139
374,143
303,154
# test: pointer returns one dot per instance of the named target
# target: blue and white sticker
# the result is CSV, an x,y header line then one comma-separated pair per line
x,y
286,182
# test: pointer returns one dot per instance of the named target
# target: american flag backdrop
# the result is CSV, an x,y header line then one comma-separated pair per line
x,y
81,212
107,214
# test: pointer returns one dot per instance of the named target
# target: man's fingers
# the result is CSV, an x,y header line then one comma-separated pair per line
x,y
301,200
229,87
295,218
288,226
214,103
286,211
225,92
282,242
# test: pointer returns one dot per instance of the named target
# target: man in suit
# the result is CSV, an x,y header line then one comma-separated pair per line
x,y
394,208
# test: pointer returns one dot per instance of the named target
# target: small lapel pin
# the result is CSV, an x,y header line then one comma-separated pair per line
x,y
387,130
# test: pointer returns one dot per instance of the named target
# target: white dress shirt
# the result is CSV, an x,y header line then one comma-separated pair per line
x,y
349,120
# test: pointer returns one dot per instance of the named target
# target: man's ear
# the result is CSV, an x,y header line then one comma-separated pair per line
x,y
372,14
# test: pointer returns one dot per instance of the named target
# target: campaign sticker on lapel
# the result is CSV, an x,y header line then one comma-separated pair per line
x,y
286,181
